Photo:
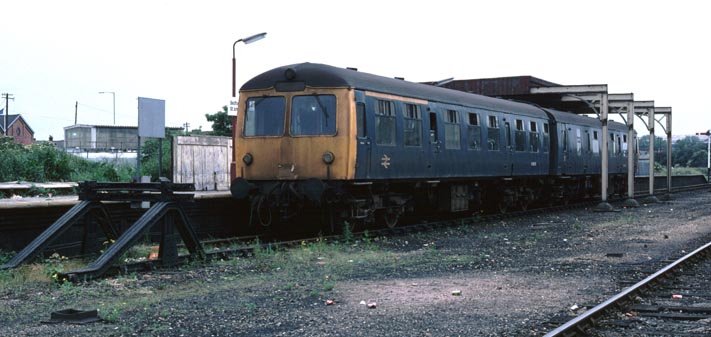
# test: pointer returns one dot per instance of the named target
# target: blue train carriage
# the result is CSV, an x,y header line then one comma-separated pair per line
x,y
365,147
577,157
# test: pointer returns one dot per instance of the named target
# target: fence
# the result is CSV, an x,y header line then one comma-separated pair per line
x,y
203,161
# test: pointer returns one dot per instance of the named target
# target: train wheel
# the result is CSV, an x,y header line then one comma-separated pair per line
x,y
523,204
388,217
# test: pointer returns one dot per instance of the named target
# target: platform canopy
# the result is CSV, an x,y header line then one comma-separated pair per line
x,y
584,99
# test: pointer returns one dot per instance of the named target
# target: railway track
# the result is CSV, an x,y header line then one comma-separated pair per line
x,y
673,301
245,246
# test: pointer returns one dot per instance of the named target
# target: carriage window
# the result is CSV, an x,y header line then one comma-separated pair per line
x,y
313,115
384,122
596,144
360,120
534,137
434,137
451,130
265,116
578,141
611,148
492,134
619,144
474,132
565,139
624,145
546,137
520,136
587,142
413,125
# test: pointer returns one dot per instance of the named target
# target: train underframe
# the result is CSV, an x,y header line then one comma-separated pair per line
x,y
384,202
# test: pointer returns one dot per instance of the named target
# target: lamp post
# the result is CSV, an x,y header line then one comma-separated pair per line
x,y
246,40
708,152
113,96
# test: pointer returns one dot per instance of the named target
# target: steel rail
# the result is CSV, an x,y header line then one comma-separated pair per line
x,y
577,324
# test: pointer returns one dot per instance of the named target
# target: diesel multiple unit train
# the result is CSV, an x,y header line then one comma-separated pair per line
x,y
359,147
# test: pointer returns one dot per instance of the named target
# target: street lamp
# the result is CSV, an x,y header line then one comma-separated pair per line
x,y
246,40
113,95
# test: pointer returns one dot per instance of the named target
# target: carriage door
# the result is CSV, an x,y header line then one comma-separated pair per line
x,y
508,166
435,144
565,147
364,142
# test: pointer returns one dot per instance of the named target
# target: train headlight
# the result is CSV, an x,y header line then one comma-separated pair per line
x,y
247,159
328,157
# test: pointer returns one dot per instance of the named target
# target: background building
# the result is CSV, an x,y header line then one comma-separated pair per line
x,y
18,129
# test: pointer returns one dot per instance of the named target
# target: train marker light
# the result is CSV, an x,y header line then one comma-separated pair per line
x,y
247,159
328,158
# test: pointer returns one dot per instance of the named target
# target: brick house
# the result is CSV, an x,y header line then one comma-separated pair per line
x,y
17,128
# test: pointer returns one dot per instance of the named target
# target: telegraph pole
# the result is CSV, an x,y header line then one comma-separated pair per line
x,y
708,152
7,98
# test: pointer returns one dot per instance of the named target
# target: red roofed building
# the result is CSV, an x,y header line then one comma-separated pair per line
x,y
18,129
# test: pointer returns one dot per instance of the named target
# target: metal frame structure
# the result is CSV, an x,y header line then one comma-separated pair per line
x,y
597,100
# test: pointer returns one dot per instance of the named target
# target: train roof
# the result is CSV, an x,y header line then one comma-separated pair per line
x,y
567,117
321,75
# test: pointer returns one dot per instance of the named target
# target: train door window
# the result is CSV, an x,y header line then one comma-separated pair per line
x,y
534,138
360,120
588,148
413,125
520,136
565,139
265,116
578,141
313,115
619,144
434,137
493,134
474,130
624,145
452,130
385,126
611,148
596,143
507,129
546,137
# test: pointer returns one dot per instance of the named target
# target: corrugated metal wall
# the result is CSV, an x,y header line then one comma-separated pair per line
x,y
202,160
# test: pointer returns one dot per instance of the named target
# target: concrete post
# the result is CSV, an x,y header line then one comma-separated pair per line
x,y
604,205
630,201
651,198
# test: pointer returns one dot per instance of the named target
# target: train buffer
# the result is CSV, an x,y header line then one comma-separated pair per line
x,y
165,211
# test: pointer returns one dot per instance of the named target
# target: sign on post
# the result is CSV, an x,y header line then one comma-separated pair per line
x,y
151,117
232,107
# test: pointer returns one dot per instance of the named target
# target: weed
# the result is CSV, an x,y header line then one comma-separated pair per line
x,y
112,315
347,233
250,306
54,265
5,256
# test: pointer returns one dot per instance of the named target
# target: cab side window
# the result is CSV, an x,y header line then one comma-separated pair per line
x,y
413,125
385,123
493,134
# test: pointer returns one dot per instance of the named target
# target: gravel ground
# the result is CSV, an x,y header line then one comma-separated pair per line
x,y
514,276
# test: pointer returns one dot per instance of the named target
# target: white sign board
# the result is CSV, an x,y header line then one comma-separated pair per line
x,y
151,117
232,107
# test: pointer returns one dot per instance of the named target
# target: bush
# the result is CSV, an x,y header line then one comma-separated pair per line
x,y
42,163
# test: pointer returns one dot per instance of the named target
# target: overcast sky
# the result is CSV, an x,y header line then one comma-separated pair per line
x,y
54,53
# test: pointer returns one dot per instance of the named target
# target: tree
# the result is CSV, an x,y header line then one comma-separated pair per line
x,y
690,151
660,148
221,122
